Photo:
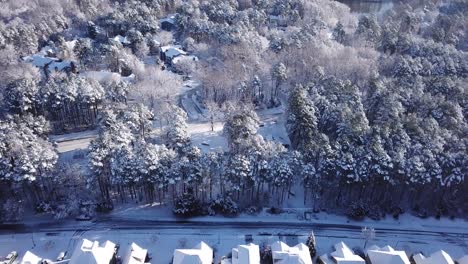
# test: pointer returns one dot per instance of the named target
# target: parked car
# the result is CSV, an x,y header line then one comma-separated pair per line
x,y
61,255
83,217
10,258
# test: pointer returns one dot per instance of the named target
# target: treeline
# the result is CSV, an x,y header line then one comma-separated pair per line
x,y
398,140
68,102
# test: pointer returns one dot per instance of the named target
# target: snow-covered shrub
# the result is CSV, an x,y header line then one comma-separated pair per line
x,y
253,210
396,211
275,210
188,205
12,210
104,207
357,210
375,213
225,206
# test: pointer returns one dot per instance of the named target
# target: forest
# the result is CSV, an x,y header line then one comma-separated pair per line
x,y
375,106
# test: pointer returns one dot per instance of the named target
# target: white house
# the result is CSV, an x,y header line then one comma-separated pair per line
x,y
201,254
439,257
169,52
135,255
30,258
92,253
284,254
246,254
386,255
342,255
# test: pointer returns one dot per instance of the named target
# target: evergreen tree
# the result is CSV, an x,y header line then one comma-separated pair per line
x,y
311,244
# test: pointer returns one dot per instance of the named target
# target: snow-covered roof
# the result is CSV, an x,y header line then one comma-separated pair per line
x,y
343,254
173,51
387,255
439,257
463,260
107,76
39,60
184,57
246,254
284,254
30,258
201,254
121,39
135,255
170,19
92,253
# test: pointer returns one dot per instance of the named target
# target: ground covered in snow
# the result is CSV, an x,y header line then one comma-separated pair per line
x,y
154,228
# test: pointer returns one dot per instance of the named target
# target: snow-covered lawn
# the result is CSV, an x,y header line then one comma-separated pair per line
x,y
409,233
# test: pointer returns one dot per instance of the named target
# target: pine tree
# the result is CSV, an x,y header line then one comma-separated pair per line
x,y
302,122
311,244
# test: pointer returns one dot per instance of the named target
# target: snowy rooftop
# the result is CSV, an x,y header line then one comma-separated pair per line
x,y
170,18
439,257
387,255
92,253
284,254
343,254
39,60
184,57
30,258
201,254
463,260
121,39
135,255
172,51
246,254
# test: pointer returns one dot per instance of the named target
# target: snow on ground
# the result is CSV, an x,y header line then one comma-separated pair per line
x,y
107,76
208,140
74,141
162,240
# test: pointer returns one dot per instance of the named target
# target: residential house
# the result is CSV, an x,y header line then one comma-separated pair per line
x,y
31,258
169,52
342,255
135,255
92,253
201,254
284,254
246,254
439,257
168,23
386,255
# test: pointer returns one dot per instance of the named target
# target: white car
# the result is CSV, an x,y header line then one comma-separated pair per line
x,y
10,258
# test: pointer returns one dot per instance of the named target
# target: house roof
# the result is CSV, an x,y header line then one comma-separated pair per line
x,y
30,258
463,260
439,257
246,254
173,51
201,254
92,253
284,254
184,57
135,255
387,255
170,19
343,254
40,61
121,39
